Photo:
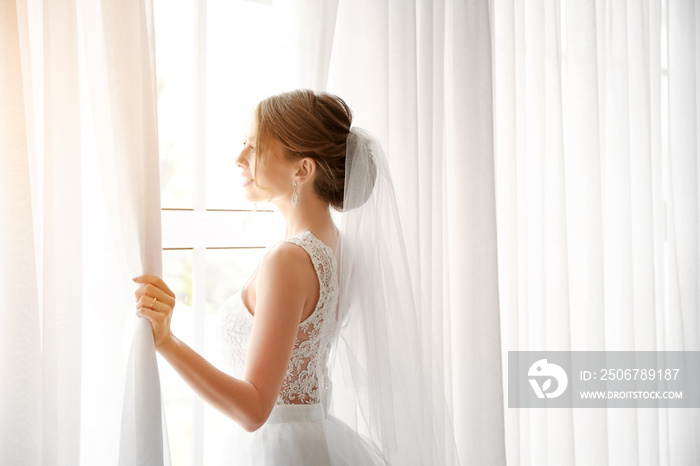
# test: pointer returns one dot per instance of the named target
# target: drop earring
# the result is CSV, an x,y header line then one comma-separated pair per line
x,y
295,195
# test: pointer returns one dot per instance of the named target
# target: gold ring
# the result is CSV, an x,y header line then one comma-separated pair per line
x,y
153,303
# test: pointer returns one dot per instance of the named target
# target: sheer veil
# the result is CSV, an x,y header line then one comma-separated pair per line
x,y
381,383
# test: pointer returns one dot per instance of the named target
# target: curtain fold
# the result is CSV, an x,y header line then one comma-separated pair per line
x,y
470,218
120,69
80,216
683,213
61,231
20,344
315,28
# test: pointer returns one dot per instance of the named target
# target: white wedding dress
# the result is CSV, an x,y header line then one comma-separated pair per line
x,y
299,431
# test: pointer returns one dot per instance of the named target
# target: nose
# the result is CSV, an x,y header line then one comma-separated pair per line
x,y
241,160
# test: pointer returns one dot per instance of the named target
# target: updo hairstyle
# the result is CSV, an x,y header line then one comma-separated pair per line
x,y
308,124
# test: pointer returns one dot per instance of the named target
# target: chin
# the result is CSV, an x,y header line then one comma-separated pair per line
x,y
255,199
250,195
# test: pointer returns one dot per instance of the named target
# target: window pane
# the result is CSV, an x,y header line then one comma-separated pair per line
x,y
174,25
177,396
246,62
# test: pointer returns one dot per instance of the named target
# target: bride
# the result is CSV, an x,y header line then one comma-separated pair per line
x,y
322,302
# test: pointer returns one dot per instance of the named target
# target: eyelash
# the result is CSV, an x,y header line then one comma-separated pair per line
x,y
251,147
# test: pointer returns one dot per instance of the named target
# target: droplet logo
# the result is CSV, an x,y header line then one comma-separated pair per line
x,y
544,369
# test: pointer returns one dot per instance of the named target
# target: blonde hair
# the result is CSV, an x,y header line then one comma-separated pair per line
x,y
308,124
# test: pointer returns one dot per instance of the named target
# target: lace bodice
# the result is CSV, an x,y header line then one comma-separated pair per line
x,y
307,375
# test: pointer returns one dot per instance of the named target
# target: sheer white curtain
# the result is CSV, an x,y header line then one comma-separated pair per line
x,y
545,155
20,358
80,215
596,155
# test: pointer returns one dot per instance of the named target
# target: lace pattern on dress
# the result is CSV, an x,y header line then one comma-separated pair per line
x,y
307,373
235,328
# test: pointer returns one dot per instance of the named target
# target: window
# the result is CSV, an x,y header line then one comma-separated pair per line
x,y
215,60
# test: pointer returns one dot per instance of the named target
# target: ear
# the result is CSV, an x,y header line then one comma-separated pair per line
x,y
306,169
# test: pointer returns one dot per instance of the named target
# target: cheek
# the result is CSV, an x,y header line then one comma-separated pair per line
x,y
265,170
252,163
281,178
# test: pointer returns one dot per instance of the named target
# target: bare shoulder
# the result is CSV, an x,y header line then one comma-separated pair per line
x,y
285,255
287,265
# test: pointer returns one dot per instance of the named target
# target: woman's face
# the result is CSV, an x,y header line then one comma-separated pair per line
x,y
274,177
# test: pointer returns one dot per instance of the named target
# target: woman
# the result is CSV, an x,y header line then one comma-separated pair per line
x,y
302,155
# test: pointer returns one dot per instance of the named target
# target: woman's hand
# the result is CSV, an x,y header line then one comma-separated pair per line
x,y
155,301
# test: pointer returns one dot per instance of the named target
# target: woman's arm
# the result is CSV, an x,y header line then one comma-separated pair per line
x,y
284,282
237,399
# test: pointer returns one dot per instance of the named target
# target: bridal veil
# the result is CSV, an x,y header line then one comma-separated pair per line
x,y
380,381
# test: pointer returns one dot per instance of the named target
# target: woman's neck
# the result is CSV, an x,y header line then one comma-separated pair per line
x,y
312,214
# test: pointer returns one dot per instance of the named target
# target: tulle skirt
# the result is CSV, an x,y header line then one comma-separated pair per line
x,y
298,435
